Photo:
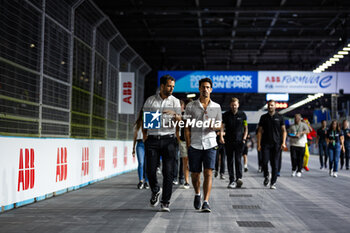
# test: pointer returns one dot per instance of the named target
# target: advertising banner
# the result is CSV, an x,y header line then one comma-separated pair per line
x,y
343,82
223,81
297,82
33,167
126,93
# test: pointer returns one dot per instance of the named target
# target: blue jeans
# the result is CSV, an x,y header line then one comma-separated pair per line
x,y
322,147
141,169
334,155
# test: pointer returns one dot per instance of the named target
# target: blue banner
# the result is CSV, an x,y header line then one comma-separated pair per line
x,y
223,81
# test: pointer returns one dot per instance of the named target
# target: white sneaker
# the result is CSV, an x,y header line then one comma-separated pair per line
x,y
298,174
331,172
294,173
335,174
231,185
273,186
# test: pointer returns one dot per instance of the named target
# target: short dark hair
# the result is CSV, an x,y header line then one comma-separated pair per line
x,y
165,78
205,80
271,101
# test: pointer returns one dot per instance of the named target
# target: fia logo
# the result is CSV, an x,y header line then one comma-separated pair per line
x,y
61,167
26,171
151,120
101,160
85,161
115,153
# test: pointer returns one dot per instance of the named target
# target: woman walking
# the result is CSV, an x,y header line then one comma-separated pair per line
x,y
140,152
335,140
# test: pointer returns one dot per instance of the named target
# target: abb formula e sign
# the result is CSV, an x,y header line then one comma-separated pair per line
x,y
32,167
297,82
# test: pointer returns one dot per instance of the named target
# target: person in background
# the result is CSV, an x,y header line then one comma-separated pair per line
x,y
346,146
271,140
220,158
236,130
259,153
140,152
335,143
309,136
322,144
297,133
183,149
245,154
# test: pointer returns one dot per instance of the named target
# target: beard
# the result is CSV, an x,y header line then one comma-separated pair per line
x,y
167,93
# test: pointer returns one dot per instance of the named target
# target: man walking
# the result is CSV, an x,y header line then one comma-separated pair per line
x,y
201,140
297,133
271,140
161,140
322,144
236,129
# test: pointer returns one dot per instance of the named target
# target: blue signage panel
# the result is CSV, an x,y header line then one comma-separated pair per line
x,y
223,81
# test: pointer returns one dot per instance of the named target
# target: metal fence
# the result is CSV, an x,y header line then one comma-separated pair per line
x,y
59,65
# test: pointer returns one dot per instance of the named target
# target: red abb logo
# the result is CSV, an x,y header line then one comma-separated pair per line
x,y
61,167
273,79
125,155
85,162
101,160
26,171
115,153
127,92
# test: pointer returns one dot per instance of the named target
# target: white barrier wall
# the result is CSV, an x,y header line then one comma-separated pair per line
x,y
33,168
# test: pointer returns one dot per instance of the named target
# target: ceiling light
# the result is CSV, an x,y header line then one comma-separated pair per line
x,y
343,52
191,95
338,56
346,49
334,59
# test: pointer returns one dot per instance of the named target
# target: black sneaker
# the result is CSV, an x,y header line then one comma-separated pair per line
x,y
266,181
155,198
239,183
216,174
140,185
197,202
206,207
146,186
164,207
245,169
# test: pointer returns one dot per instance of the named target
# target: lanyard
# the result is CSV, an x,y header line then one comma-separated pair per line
x,y
333,136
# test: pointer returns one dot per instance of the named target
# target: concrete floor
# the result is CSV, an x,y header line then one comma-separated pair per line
x,y
313,203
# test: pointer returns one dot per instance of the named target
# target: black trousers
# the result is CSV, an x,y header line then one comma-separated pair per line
x,y
220,151
297,157
280,162
178,165
234,155
260,163
153,149
272,153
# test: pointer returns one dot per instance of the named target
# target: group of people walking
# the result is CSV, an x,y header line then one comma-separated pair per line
x,y
334,144
203,136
